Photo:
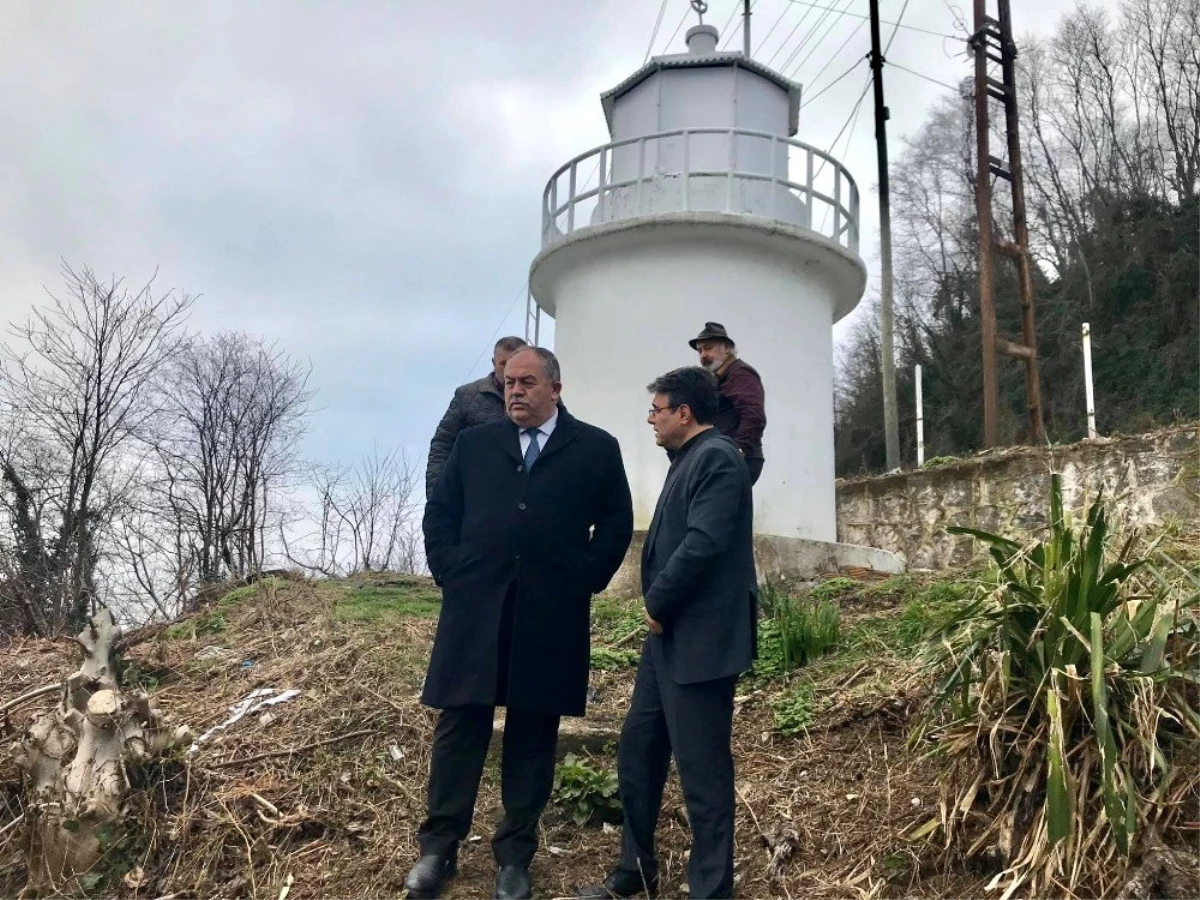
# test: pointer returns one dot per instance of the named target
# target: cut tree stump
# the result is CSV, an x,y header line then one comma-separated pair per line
x,y
74,758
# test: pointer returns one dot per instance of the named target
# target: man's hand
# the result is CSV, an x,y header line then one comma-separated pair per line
x,y
655,627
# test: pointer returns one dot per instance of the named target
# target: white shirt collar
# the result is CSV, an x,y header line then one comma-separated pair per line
x,y
546,428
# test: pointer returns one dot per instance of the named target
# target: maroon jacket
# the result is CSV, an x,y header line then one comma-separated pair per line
x,y
741,414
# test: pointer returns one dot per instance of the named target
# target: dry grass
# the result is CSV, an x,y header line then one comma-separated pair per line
x,y
324,797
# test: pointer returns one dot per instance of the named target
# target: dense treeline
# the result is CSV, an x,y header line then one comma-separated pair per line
x,y
1110,109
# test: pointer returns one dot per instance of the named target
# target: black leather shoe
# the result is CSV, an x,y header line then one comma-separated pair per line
x,y
513,883
425,879
619,883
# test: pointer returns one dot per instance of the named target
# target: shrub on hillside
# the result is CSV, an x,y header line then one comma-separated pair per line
x,y
1066,706
796,630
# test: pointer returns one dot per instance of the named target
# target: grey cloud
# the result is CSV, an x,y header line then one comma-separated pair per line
x,y
359,181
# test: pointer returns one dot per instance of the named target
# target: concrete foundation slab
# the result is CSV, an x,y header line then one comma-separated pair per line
x,y
775,557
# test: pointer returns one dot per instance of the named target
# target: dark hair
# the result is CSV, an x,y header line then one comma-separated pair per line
x,y
549,361
692,385
509,344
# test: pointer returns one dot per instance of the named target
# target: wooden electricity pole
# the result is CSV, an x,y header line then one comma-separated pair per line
x,y
992,42
891,421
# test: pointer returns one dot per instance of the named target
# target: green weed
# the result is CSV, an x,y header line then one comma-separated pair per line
x,y
588,793
614,658
796,710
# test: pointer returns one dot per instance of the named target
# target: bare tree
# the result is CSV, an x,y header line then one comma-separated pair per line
x,y
231,414
365,517
76,391
1165,37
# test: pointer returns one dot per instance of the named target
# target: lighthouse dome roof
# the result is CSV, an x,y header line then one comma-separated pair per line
x,y
715,59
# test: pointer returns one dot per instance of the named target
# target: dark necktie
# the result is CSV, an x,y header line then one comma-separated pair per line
x,y
533,450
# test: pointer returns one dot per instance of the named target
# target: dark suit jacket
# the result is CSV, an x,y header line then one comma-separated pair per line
x,y
698,564
475,403
554,535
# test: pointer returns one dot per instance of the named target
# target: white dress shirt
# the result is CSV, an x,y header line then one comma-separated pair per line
x,y
544,431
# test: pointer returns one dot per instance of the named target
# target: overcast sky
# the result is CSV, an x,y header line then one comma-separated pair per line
x,y
361,181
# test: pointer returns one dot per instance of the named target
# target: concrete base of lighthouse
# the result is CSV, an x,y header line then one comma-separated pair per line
x,y
776,559
627,294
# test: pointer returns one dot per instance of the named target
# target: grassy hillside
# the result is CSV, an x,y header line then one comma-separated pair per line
x,y
322,794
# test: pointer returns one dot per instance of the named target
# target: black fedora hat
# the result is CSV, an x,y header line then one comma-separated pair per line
x,y
712,331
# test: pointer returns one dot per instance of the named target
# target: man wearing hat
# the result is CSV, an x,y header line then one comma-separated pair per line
x,y
741,414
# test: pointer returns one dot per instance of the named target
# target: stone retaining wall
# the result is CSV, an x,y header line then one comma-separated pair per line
x,y
1152,479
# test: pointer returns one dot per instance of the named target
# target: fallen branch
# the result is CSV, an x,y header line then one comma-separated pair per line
x,y
13,824
641,629
30,695
272,753
749,808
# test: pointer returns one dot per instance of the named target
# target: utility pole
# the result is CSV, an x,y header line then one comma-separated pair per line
x,y
891,423
746,28
993,42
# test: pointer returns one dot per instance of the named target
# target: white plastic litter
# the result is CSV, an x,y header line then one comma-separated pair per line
x,y
256,700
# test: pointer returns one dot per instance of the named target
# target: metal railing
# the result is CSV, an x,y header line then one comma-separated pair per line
x,y
827,187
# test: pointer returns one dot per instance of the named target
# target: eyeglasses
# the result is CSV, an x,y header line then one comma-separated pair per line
x,y
655,410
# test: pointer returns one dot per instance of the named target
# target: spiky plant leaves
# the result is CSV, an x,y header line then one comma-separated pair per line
x,y
1064,704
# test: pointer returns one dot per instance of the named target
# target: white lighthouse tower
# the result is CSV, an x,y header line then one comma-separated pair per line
x,y
705,207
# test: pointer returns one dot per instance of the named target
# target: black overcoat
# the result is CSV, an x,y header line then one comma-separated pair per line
x,y
698,564
556,534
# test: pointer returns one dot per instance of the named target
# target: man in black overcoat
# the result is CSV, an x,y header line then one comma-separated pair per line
x,y
531,516
700,593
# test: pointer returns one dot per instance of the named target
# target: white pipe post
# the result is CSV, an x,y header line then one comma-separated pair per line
x,y
920,423
1087,380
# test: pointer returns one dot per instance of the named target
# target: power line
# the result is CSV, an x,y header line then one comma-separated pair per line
x,y
899,19
817,44
856,30
683,19
954,37
852,122
804,41
852,117
725,32
771,31
650,46
795,28
949,87
960,21
491,341
853,66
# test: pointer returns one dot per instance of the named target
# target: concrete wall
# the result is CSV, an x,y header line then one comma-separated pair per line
x,y
1153,480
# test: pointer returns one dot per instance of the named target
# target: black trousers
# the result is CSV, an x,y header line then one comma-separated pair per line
x,y
693,722
460,745
755,465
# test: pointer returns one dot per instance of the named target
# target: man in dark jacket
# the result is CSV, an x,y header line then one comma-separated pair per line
x,y
474,403
742,411
531,517
700,594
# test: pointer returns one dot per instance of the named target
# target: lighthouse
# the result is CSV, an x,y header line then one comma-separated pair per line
x,y
705,206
